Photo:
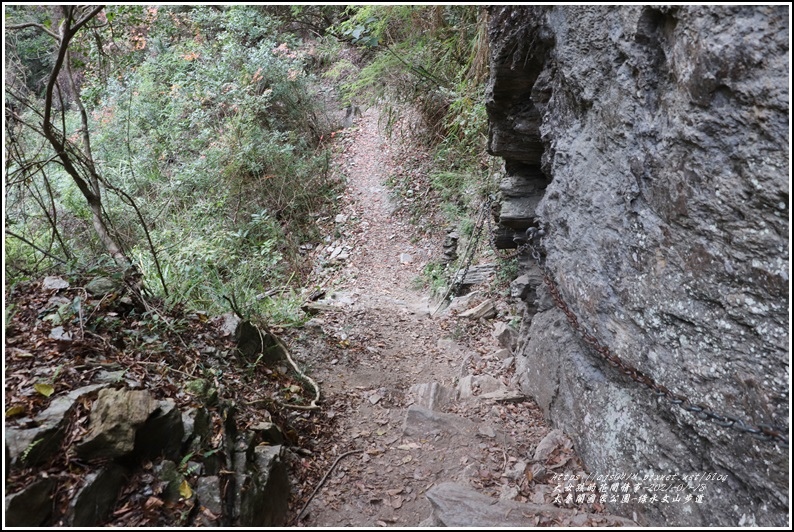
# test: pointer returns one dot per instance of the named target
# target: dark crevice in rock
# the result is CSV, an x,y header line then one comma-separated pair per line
x,y
513,101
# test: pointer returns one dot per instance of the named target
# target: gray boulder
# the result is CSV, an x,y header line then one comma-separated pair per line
x,y
162,433
115,418
36,445
261,484
505,335
32,506
455,505
484,310
255,341
209,497
100,286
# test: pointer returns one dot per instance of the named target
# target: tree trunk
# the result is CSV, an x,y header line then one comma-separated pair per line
x,y
87,181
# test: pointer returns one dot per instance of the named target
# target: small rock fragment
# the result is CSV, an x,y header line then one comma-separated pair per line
x,y
57,333
485,310
54,283
487,431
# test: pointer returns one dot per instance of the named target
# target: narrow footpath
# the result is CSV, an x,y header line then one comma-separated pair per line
x,y
418,402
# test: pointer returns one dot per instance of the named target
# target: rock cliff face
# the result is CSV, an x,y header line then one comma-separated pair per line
x,y
651,144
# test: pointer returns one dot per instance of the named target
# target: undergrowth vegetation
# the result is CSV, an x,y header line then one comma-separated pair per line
x,y
430,58
425,70
209,123
205,132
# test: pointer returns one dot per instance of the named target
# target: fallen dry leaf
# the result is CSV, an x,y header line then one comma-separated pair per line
x,y
185,490
15,411
44,389
152,503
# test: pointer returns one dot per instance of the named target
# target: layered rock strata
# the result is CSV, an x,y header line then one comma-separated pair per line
x,y
651,145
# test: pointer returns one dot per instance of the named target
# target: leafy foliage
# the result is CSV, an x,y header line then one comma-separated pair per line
x,y
206,121
432,59
430,55
29,53
205,126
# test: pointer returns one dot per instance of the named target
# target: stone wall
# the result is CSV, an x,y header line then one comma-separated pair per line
x,y
651,144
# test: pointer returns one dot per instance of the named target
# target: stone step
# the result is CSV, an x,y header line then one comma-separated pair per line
x,y
517,186
479,274
456,505
431,395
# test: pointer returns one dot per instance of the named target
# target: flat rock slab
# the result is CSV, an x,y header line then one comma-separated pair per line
x,y
485,384
521,186
519,213
455,505
54,283
486,310
32,506
49,431
554,439
422,422
462,303
479,274
95,500
504,395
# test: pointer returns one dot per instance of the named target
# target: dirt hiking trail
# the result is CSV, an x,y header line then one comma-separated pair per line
x,y
419,402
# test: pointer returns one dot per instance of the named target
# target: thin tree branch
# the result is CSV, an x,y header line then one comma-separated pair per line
x,y
83,115
54,219
36,25
24,102
50,135
94,12
59,143
34,246
131,203
63,109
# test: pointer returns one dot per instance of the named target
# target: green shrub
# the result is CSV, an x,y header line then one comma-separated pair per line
x,y
432,59
205,119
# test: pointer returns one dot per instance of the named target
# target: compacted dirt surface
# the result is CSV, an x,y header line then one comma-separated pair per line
x,y
420,422
412,398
